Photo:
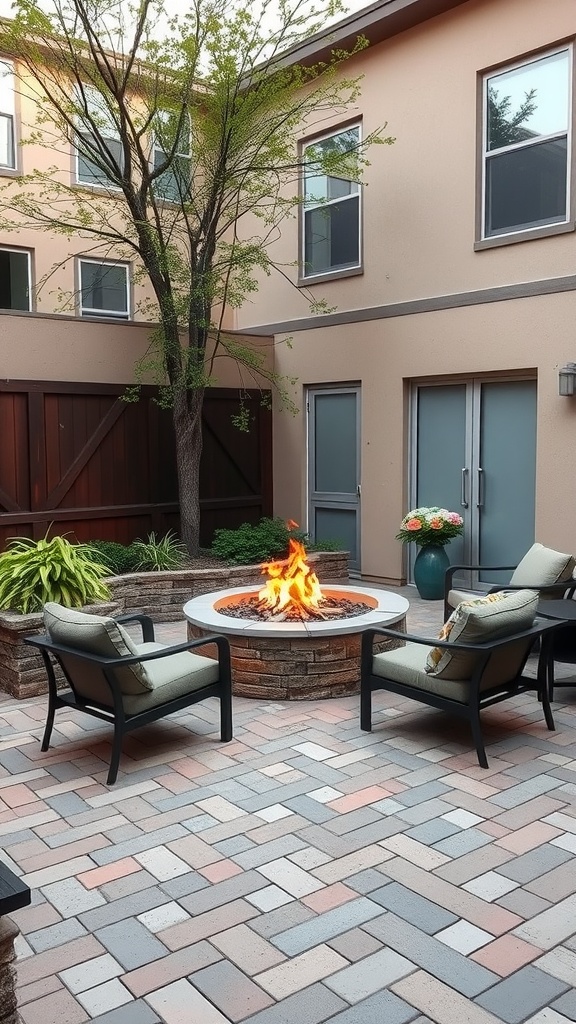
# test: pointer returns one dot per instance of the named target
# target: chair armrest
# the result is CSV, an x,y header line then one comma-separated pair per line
x,y
45,642
144,620
540,626
453,569
566,585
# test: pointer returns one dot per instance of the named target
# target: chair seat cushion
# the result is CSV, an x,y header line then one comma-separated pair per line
x,y
407,665
543,566
173,676
455,597
97,634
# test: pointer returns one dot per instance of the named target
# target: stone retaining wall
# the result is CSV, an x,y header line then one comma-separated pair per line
x,y
161,595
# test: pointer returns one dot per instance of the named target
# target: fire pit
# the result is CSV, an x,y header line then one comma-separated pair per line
x,y
283,647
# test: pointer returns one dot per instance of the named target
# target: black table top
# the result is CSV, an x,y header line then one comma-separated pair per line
x,y
565,608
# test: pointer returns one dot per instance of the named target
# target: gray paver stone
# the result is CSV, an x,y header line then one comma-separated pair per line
x,y
381,1008
522,994
535,863
326,926
131,944
310,1006
137,1012
412,907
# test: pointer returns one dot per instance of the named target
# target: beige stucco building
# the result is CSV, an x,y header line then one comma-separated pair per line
x,y
452,275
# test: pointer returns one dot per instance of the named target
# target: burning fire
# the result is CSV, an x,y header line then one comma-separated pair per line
x,y
292,588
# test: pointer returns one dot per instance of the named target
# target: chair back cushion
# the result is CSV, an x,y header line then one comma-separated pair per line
x,y
475,622
542,566
96,634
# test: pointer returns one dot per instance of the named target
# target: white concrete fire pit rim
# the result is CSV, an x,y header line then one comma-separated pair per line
x,y
391,608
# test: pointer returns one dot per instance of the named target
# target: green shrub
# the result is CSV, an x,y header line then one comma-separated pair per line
x,y
159,553
262,542
118,558
34,572
253,543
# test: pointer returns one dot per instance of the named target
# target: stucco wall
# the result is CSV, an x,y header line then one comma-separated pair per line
x,y
419,199
67,349
534,336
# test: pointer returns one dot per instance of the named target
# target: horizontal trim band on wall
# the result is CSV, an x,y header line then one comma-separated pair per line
x,y
478,297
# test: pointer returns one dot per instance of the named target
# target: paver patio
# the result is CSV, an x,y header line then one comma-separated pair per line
x,y
305,872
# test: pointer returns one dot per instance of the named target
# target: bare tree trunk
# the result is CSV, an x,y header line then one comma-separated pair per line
x,y
187,415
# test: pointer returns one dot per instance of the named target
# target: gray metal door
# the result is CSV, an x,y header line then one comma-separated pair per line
x,y
334,467
474,451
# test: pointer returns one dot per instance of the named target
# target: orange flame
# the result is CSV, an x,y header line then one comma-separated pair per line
x,y
291,586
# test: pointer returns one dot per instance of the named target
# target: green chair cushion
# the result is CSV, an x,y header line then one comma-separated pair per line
x,y
173,676
97,634
543,566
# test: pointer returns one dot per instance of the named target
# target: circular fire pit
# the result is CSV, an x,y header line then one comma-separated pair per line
x,y
294,660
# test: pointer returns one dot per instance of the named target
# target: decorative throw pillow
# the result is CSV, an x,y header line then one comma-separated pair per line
x,y
437,653
489,618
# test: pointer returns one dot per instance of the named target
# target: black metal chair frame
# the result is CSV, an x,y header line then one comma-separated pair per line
x,y
561,589
479,699
114,713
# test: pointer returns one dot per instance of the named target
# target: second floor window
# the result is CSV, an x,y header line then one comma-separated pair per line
x,y
91,163
15,287
7,140
104,290
331,215
527,145
173,184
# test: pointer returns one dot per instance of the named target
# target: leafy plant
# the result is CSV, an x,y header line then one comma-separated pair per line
x,y
34,572
118,558
159,553
262,541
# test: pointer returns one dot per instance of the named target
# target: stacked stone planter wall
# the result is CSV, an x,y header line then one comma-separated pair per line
x,y
158,594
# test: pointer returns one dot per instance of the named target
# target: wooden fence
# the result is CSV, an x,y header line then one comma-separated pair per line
x,y
78,459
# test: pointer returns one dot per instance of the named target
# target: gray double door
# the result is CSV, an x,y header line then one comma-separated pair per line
x,y
334,467
474,451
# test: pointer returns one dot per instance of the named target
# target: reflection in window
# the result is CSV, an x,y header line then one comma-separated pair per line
x,y
527,112
104,289
93,160
173,184
331,204
7,146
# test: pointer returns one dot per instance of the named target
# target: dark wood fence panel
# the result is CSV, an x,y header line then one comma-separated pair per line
x,y
77,459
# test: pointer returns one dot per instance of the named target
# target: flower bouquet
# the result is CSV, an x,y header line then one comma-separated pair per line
x,y
424,526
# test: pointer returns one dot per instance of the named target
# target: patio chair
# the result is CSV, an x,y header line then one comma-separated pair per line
x,y
127,684
542,569
478,663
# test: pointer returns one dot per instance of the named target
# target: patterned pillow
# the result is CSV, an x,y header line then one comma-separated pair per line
x,y
437,653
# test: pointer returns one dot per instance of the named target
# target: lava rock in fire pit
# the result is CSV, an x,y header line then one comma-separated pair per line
x,y
329,608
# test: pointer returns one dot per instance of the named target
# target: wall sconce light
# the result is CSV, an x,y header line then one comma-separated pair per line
x,y
567,380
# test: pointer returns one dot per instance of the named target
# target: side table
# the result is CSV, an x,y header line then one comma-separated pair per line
x,y
563,640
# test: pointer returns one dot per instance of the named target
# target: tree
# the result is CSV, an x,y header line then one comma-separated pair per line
x,y
506,127
187,127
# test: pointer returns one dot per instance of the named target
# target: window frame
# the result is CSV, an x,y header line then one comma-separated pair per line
x,y
318,277
28,254
81,129
484,241
86,312
10,116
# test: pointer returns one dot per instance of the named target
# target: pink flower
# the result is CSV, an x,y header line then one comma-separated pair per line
x,y
414,524
455,519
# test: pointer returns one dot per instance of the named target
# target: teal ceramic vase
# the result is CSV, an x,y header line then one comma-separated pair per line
x,y
429,571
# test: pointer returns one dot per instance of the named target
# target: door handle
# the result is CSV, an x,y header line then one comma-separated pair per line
x,y
480,502
358,490
464,488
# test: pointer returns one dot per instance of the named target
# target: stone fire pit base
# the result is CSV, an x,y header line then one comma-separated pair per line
x,y
310,668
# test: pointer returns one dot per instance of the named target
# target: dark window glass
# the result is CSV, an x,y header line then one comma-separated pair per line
x,y
174,184
331,233
7,141
89,172
14,280
104,290
526,187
